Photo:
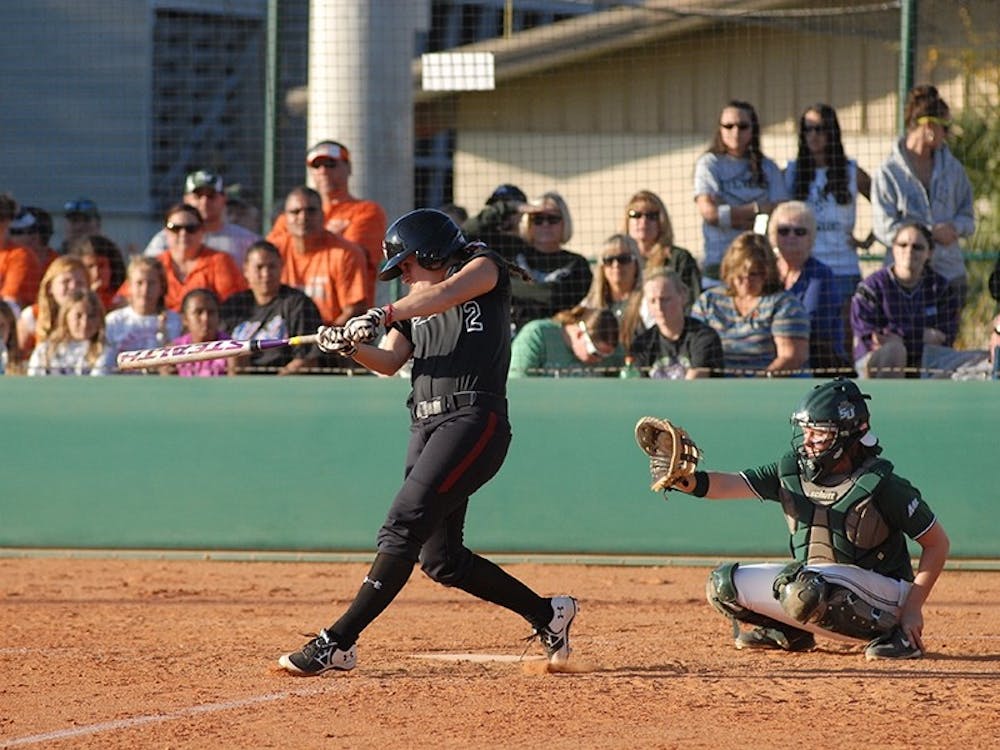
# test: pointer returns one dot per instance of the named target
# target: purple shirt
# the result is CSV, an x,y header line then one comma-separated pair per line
x,y
881,305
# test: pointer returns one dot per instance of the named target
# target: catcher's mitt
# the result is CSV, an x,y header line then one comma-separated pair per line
x,y
673,456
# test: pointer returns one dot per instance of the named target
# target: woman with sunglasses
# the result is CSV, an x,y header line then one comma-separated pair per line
x,y
190,264
764,329
923,182
905,316
579,341
792,232
647,222
824,178
559,278
733,182
616,286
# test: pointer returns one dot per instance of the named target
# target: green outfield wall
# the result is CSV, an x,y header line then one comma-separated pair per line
x,y
311,463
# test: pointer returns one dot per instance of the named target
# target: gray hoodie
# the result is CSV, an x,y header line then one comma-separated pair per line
x,y
898,196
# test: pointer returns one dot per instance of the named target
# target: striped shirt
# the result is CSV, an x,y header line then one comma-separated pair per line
x,y
748,340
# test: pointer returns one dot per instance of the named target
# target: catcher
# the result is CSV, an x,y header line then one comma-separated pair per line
x,y
848,514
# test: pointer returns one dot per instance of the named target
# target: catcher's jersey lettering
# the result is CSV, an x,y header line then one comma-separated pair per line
x,y
821,495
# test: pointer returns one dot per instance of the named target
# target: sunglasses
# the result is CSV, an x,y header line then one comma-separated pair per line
x,y
178,228
623,260
731,125
325,163
784,231
813,129
539,219
651,215
306,210
928,120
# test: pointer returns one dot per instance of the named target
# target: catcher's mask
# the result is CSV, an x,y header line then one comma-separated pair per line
x,y
838,409
428,234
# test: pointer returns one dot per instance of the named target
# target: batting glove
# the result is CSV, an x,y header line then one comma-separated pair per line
x,y
333,341
368,327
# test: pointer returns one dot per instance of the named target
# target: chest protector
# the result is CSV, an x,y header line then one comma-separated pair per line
x,y
837,523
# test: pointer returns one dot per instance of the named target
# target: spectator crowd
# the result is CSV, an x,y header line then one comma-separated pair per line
x,y
778,290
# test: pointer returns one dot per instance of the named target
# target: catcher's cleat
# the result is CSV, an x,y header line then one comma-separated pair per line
x,y
892,645
555,635
319,655
785,638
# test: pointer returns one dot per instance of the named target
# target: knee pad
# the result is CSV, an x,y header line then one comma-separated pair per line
x,y
848,614
806,596
720,590
803,594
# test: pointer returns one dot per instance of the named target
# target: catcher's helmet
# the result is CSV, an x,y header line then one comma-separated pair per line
x,y
837,406
429,234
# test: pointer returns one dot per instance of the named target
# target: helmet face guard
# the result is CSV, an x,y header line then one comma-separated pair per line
x,y
836,417
426,233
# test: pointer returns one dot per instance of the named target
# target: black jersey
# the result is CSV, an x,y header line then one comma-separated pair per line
x,y
466,348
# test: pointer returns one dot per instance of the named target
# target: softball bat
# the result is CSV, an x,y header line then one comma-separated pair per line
x,y
171,355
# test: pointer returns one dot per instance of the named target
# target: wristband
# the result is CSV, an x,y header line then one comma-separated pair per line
x,y
726,217
700,484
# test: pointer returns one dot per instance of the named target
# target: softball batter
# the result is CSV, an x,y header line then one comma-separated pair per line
x,y
455,323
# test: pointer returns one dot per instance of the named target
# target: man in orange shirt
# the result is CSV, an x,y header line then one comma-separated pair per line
x,y
318,262
357,223
19,272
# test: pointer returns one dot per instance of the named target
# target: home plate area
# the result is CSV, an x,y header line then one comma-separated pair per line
x,y
477,657
529,664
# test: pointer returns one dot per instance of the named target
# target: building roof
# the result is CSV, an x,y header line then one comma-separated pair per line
x,y
575,39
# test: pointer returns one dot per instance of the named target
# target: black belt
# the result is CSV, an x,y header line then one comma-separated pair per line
x,y
445,404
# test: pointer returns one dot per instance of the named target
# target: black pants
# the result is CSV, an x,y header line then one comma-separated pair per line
x,y
449,457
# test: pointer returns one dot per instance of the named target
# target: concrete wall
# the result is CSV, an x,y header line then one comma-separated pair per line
x,y
312,463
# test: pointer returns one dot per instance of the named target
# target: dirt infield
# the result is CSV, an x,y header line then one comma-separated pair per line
x,y
112,653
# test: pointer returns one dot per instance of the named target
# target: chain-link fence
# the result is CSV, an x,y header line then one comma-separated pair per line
x,y
440,102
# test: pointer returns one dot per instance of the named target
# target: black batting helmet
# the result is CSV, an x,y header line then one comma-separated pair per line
x,y
429,234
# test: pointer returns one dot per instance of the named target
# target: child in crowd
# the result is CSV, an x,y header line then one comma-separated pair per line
x,y
145,323
103,261
77,345
64,276
200,314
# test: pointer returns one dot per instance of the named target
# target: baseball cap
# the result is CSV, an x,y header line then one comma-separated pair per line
x,y
203,179
81,207
327,150
507,193
24,222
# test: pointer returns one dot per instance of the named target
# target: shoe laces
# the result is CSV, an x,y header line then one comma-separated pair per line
x,y
320,646
550,641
